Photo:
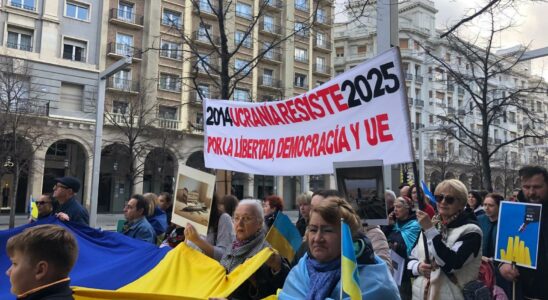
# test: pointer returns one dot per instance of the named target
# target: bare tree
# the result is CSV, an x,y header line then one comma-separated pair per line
x,y
445,158
481,73
133,116
20,131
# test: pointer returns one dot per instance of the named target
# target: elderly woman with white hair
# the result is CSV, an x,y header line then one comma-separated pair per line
x,y
454,245
249,239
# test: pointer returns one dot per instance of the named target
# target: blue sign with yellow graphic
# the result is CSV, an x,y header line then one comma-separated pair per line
x,y
518,233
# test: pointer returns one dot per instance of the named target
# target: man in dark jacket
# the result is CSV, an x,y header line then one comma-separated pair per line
x,y
530,283
69,209
42,257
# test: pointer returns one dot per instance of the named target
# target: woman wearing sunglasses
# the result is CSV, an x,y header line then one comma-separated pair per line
x,y
454,246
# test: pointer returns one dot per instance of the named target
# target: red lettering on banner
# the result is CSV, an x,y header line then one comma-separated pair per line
x,y
323,94
312,99
288,118
355,130
301,107
276,120
263,113
336,96
383,128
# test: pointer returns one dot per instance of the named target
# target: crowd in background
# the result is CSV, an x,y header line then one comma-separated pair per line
x,y
447,243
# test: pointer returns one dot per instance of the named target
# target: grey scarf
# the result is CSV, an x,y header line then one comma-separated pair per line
x,y
237,255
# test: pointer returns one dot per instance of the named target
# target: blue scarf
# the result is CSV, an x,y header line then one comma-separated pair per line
x,y
409,232
323,277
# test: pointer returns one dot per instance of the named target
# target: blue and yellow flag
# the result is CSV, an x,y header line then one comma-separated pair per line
x,y
284,236
428,193
349,273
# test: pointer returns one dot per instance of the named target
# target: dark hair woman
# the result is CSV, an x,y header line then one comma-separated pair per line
x,y
475,203
271,206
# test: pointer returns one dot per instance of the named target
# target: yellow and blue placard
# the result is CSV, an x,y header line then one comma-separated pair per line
x,y
518,233
284,236
349,267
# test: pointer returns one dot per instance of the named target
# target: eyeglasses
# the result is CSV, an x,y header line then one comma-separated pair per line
x,y
129,206
448,199
60,186
41,202
244,219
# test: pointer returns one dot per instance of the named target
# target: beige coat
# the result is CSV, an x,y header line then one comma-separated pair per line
x,y
380,244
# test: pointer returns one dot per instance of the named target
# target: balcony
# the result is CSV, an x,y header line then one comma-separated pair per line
x,y
322,45
19,46
203,38
168,124
273,55
206,8
270,28
323,20
460,90
498,141
122,50
410,100
419,103
21,5
419,79
274,4
450,87
123,85
196,128
302,36
322,69
269,82
126,18
119,119
194,97
451,110
301,59
408,76
244,15
461,112
267,98
301,85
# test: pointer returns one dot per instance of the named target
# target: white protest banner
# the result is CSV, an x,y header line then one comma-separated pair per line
x,y
361,114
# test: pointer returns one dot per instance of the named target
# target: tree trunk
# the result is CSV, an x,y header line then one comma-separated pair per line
x,y
486,167
14,196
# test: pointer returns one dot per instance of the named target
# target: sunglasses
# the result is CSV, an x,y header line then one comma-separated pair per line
x,y
448,199
41,202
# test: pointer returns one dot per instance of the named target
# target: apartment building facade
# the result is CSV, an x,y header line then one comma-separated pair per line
x,y
431,93
159,95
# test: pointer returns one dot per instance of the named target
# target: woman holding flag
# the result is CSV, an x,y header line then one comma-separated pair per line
x,y
318,273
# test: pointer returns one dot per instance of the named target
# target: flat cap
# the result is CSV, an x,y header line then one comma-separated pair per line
x,y
70,182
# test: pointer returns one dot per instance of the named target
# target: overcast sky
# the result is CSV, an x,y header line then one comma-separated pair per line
x,y
532,24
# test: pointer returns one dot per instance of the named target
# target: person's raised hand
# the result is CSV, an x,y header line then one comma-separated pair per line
x,y
190,233
424,220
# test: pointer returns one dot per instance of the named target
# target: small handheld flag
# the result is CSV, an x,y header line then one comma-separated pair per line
x,y
349,273
427,192
284,236
33,209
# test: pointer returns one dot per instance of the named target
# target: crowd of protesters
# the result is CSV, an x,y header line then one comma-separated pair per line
x,y
445,243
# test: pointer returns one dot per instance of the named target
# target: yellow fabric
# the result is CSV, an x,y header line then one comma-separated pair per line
x,y
184,273
351,287
280,243
34,210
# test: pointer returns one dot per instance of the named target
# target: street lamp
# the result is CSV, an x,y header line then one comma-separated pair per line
x,y
103,76
421,131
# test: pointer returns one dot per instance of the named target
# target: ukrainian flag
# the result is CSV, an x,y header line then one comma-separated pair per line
x,y
284,236
349,272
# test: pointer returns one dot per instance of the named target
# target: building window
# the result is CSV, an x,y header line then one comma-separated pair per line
x,y
300,80
203,32
300,29
321,39
205,6
321,16
125,11
122,80
71,97
243,65
170,82
199,120
124,44
170,50
204,62
301,55
167,112
19,39
318,83
339,51
24,4
321,66
241,95
171,18
78,11
120,107
202,92
74,50
239,38
301,5
268,76
243,10
362,50
404,43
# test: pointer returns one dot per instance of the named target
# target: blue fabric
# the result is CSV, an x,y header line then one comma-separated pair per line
x,y
106,260
323,277
409,232
76,212
428,194
489,230
376,282
140,229
158,221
